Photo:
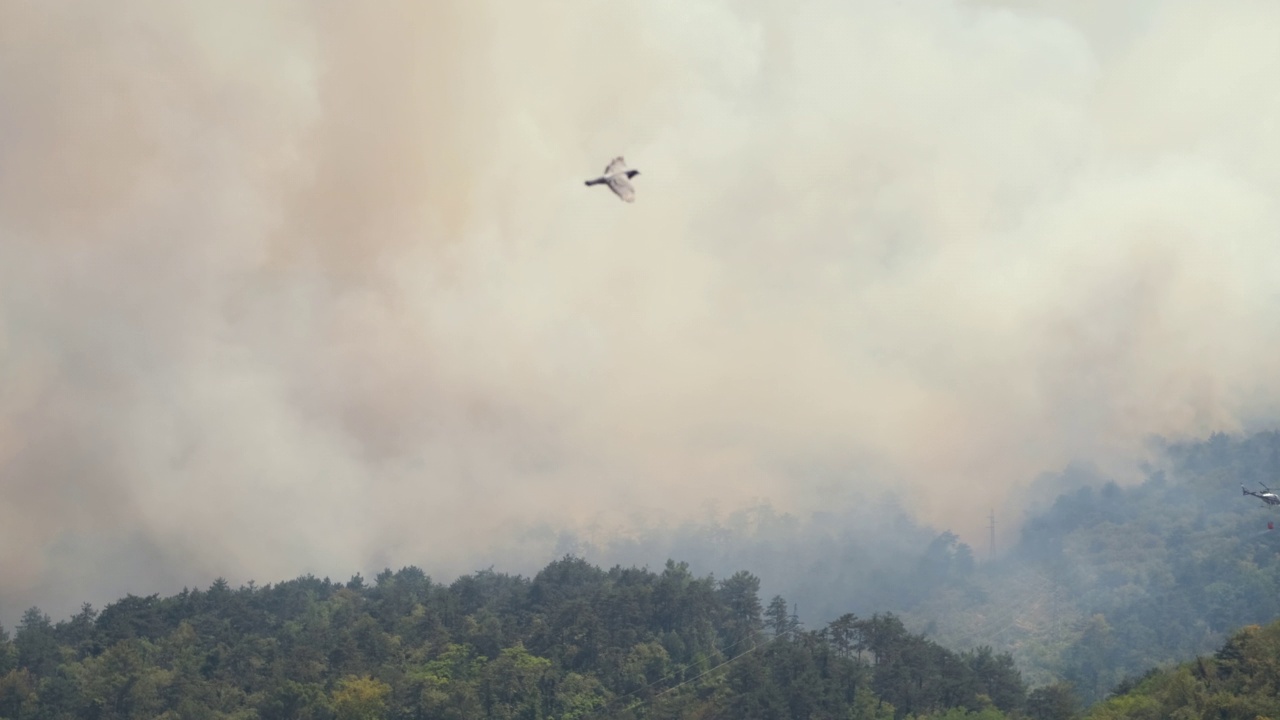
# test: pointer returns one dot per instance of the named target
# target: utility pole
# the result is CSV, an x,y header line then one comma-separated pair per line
x,y
992,554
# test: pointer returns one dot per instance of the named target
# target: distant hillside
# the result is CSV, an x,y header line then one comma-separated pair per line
x,y
1242,680
1104,581
1109,581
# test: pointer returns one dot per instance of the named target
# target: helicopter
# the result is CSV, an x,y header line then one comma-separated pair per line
x,y
1266,496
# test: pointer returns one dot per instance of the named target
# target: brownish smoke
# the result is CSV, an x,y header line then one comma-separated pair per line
x,y
291,287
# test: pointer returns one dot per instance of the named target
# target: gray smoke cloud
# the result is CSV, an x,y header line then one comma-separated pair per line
x,y
300,287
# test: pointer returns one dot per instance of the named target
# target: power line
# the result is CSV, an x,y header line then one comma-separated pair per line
x,y
672,675
742,654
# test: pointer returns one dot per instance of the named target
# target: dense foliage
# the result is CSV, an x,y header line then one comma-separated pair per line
x,y
1242,680
573,642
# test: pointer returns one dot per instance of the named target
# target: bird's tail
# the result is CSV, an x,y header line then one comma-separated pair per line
x,y
597,181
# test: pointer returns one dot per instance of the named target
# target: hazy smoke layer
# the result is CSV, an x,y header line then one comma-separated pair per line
x,y
297,286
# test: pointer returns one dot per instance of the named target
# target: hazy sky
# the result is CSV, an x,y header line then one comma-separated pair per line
x,y
296,287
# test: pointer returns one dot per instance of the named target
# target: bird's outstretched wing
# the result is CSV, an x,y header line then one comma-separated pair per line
x,y
622,187
615,165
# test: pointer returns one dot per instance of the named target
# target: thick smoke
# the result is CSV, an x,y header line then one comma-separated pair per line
x,y
293,286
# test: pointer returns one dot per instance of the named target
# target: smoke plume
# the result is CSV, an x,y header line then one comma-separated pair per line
x,y
296,287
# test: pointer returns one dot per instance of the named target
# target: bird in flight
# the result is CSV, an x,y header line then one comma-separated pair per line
x,y
618,178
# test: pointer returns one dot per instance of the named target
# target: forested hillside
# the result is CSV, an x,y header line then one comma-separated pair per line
x,y
1241,680
573,642
1110,581
1103,582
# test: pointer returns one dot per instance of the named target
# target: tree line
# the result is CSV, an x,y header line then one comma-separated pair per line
x,y
575,642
